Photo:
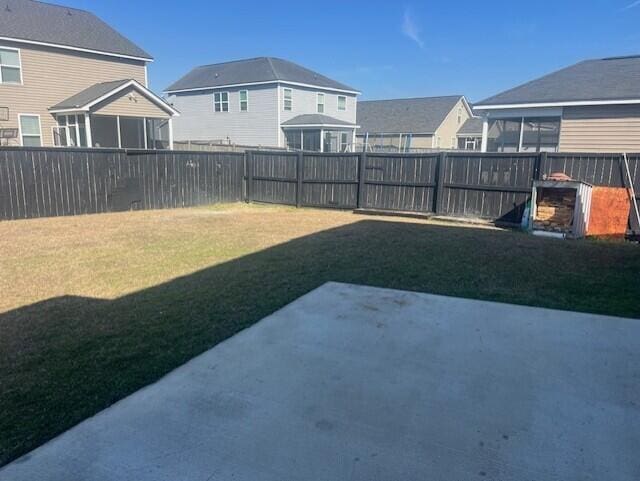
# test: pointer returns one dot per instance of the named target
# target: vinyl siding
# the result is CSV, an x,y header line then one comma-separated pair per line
x,y
305,102
198,120
601,129
132,104
448,129
51,75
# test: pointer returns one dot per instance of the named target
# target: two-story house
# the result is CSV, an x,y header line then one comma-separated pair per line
x,y
264,102
69,79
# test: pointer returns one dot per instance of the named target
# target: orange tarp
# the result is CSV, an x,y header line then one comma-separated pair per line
x,y
610,208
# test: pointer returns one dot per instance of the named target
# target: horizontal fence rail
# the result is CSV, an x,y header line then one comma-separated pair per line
x,y
41,182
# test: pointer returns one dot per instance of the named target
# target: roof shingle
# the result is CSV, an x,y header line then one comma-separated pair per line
x,y
615,78
315,119
261,69
55,24
399,116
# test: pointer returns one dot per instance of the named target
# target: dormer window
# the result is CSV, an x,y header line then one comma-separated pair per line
x,y
10,66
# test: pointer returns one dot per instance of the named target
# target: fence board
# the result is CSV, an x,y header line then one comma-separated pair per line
x,y
400,182
491,186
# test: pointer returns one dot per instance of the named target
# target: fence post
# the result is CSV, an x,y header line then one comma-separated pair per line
x,y
362,171
438,190
541,162
299,171
248,167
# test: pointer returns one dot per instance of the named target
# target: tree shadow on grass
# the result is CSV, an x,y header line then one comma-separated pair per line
x,y
64,359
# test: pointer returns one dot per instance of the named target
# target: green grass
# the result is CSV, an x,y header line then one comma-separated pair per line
x,y
95,307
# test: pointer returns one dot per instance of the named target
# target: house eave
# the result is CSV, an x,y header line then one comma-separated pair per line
x,y
76,49
575,103
265,82
132,83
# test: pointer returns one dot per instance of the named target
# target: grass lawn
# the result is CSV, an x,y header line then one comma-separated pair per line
x,y
94,307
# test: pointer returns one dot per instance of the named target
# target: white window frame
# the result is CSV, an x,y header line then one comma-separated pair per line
x,y
338,103
76,124
284,99
19,67
222,102
319,96
29,135
245,101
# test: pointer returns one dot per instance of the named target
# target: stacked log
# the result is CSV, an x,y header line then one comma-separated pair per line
x,y
555,210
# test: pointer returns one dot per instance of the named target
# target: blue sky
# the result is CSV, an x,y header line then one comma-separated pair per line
x,y
384,49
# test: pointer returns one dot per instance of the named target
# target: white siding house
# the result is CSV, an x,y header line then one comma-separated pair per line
x,y
264,102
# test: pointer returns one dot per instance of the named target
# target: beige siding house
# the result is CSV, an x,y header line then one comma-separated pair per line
x,y
404,125
64,87
592,106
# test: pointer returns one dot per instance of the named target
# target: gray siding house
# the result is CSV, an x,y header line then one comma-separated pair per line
x,y
592,106
267,102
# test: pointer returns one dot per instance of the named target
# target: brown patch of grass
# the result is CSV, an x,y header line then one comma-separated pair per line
x,y
95,307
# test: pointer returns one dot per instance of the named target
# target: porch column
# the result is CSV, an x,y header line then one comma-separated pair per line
x,y
485,133
353,141
87,128
321,140
170,134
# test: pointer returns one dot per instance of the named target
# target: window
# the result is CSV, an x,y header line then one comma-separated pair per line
x,y
157,134
244,100
221,101
70,131
459,115
342,103
10,66
131,133
524,135
344,142
294,139
104,131
30,130
320,103
288,100
540,135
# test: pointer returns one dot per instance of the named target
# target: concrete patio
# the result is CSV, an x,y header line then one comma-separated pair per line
x,y
360,383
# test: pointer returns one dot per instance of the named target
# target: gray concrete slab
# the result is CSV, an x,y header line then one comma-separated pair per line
x,y
359,383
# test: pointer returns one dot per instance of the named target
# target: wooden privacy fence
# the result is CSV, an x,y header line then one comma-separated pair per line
x,y
40,182
494,186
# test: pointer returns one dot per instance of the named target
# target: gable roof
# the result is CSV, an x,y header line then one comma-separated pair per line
x,y
47,24
85,99
315,120
472,126
252,71
604,80
399,116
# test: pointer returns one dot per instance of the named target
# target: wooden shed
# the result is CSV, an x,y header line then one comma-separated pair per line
x,y
560,207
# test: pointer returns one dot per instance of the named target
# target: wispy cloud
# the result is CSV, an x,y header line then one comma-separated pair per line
x,y
632,5
411,30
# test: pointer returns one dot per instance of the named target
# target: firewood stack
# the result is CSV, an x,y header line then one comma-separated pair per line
x,y
555,210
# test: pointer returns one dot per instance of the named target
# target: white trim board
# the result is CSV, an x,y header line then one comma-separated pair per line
x,y
77,49
577,103
265,82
